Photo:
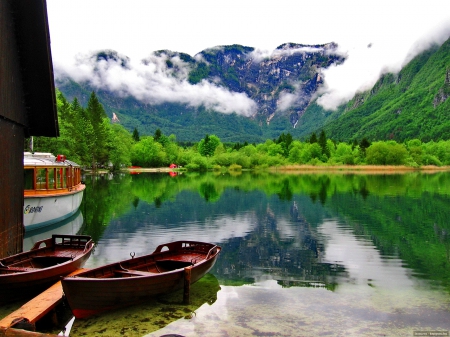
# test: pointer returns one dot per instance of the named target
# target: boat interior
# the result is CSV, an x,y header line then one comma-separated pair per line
x,y
46,253
32,263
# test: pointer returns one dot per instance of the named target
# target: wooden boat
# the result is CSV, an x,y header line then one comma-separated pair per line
x,y
53,189
137,279
28,273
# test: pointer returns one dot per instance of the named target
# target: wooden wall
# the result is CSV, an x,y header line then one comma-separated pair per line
x,y
12,126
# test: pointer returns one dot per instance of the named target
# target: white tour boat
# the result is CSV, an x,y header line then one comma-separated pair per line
x,y
53,189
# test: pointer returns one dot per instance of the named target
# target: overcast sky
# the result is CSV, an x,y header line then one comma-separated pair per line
x,y
376,35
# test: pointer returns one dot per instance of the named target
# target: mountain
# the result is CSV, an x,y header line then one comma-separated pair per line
x,y
411,104
277,88
241,95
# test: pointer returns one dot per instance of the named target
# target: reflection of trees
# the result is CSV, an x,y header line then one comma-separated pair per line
x,y
208,191
105,197
285,192
161,187
411,204
414,229
264,254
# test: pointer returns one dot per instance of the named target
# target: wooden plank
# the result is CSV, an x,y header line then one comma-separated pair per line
x,y
39,306
10,332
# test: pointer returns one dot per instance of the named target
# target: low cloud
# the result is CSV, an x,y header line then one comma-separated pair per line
x,y
364,64
157,79
259,55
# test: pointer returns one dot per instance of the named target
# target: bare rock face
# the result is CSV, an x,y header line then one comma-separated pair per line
x,y
283,82
443,92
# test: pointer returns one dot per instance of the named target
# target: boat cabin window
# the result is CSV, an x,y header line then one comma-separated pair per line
x,y
50,178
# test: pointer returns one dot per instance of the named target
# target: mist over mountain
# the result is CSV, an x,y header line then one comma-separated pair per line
x,y
242,94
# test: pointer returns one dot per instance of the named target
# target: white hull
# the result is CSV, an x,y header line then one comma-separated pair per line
x,y
44,210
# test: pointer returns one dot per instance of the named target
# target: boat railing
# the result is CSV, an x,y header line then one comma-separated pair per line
x,y
211,252
51,178
186,246
73,241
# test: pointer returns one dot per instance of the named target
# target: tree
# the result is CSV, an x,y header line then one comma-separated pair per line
x,y
136,135
120,147
323,144
148,153
364,145
97,115
313,138
207,146
386,153
157,135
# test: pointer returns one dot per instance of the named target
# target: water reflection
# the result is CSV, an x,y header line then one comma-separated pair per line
x,y
153,315
274,225
71,225
365,254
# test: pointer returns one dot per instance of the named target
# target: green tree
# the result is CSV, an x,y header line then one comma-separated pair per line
x,y
313,138
157,135
136,135
97,115
386,153
122,143
208,145
148,153
323,144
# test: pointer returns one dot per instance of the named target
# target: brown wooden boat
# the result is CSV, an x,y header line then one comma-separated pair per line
x,y
28,273
137,279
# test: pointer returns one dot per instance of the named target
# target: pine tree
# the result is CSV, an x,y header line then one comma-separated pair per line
x,y
323,144
97,114
136,135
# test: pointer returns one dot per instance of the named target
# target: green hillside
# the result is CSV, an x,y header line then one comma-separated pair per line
x,y
410,104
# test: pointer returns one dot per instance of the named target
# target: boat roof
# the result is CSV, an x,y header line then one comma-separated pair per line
x,y
45,159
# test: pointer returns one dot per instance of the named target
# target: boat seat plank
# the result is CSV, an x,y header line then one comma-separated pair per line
x,y
134,272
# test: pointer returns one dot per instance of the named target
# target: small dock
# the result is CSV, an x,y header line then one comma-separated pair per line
x,y
34,310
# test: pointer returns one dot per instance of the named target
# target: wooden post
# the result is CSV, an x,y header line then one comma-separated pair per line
x,y
187,285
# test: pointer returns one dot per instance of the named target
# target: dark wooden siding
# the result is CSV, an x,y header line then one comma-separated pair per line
x,y
27,105
12,123
11,196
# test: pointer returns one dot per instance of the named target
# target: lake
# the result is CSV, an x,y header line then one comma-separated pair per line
x,y
302,254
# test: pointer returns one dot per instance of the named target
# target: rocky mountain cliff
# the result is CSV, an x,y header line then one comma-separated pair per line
x,y
280,84
284,82
240,94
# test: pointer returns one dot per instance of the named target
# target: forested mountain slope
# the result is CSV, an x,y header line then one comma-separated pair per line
x,y
407,105
411,104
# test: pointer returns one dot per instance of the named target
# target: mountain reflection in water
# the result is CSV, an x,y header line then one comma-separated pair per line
x,y
310,254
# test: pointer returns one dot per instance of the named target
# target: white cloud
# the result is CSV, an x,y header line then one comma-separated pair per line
x,y
396,29
367,62
153,81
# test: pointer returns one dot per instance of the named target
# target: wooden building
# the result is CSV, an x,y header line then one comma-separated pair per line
x,y
27,105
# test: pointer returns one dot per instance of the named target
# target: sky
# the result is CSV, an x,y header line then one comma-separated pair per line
x,y
376,36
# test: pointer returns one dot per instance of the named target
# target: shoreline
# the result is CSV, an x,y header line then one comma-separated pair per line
x,y
358,169
299,169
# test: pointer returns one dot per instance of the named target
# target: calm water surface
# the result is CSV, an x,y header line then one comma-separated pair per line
x,y
303,255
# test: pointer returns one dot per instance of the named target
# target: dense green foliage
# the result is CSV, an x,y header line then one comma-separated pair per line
x,y
403,106
89,138
412,104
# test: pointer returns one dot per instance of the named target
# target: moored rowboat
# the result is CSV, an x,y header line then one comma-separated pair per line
x,y
134,280
28,273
